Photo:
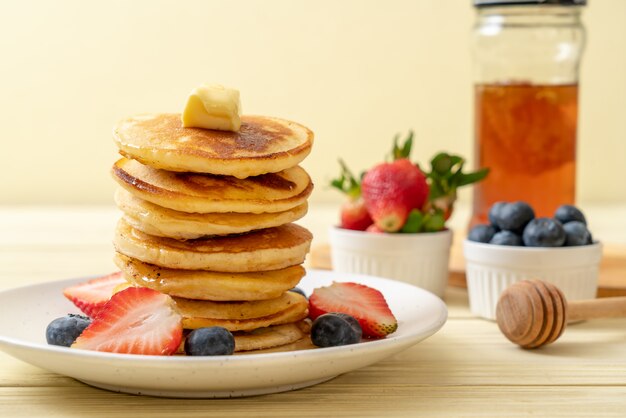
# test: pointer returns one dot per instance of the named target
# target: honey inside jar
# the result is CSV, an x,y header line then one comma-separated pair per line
x,y
526,135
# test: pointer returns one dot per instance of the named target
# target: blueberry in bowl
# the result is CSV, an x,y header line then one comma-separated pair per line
x,y
494,213
482,233
576,233
544,232
569,213
506,238
511,216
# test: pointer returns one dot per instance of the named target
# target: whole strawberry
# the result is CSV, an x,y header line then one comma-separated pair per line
x,y
391,191
354,214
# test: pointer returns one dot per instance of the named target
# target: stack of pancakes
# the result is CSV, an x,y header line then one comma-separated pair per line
x,y
207,220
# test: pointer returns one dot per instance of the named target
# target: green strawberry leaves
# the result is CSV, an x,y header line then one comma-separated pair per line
x,y
347,183
436,221
431,221
447,175
403,151
414,222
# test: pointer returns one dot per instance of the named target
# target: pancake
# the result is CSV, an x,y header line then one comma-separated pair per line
x,y
275,339
262,145
159,221
210,285
206,193
269,337
295,312
262,250
237,311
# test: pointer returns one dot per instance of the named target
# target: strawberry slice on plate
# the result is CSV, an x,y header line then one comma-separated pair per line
x,y
367,305
136,320
91,296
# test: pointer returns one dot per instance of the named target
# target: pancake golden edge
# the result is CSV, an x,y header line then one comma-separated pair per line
x,y
274,336
159,221
202,193
296,311
262,250
237,310
210,285
262,145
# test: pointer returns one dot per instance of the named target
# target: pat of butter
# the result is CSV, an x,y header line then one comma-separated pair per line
x,y
212,106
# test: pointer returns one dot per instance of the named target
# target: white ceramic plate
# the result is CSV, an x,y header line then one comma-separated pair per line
x,y
22,335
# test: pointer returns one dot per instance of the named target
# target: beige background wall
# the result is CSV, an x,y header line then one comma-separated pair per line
x,y
355,71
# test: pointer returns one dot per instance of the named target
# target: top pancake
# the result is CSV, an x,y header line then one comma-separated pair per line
x,y
262,145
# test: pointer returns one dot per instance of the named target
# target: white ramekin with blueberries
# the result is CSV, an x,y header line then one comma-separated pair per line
x,y
516,245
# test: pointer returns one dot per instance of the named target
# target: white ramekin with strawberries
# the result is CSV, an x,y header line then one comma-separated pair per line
x,y
419,259
393,224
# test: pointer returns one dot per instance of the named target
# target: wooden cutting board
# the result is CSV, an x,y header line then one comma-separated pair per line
x,y
612,280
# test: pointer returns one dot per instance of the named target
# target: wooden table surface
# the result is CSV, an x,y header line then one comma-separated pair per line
x,y
466,370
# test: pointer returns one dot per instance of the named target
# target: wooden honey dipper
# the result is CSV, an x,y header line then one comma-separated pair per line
x,y
533,313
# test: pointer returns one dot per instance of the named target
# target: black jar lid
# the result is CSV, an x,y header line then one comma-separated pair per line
x,y
488,3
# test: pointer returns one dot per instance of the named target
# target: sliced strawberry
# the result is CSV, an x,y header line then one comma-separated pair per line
x,y
136,320
354,215
364,303
391,191
91,296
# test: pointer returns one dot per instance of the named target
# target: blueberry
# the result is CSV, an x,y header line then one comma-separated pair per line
x,y
569,213
513,216
298,290
494,213
576,233
333,329
481,233
544,232
210,341
507,238
64,331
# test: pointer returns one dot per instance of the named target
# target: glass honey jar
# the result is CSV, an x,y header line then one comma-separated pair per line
x,y
526,62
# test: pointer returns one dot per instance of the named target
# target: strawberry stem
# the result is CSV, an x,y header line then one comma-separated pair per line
x,y
347,183
403,151
447,175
